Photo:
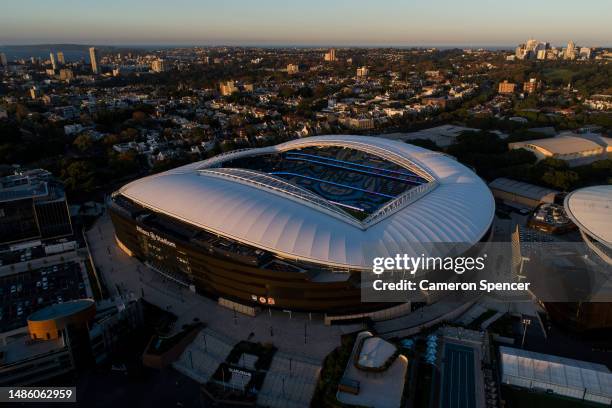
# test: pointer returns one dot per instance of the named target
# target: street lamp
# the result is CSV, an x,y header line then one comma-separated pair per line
x,y
526,322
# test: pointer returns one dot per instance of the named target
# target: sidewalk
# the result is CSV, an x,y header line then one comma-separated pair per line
x,y
128,278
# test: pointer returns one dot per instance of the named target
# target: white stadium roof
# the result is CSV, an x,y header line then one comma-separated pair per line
x,y
591,209
266,212
564,376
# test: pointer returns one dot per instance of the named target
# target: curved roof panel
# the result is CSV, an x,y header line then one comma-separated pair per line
x,y
591,209
457,207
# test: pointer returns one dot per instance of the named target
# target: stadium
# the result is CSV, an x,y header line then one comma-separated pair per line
x,y
288,226
590,209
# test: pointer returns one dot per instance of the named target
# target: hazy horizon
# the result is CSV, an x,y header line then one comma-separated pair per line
x,y
317,23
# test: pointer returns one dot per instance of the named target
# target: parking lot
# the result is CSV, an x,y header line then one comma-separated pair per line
x,y
23,293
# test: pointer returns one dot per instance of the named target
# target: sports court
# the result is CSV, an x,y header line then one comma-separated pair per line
x,y
458,377
353,180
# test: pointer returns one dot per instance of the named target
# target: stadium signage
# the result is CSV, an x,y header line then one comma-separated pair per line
x,y
155,237
240,372
263,300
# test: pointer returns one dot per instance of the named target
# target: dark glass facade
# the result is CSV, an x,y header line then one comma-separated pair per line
x,y
35,217
219,267
18,221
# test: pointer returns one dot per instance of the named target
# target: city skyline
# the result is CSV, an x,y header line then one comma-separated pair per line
x,y
318,23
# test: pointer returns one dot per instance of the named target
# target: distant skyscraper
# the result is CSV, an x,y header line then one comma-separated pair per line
x,y
521,52
541,55
53,61
3,60
531,44
532,49
570,51
93,56
330,56
585,53
60,58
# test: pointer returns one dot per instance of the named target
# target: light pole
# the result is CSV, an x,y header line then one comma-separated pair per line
x,y
526,322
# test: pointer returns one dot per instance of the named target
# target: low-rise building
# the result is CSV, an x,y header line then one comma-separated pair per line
x,y
531,86
293,69
65,337
572,149
32,206
506,87
375,374
546,373
523,194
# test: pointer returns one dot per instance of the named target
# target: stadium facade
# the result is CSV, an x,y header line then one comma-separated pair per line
x,y
590,208
288,226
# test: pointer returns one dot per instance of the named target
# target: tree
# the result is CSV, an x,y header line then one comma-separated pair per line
x,y
129,134
83,142
139,116
79,176
563,180
197,134
426,143
124,164
285,91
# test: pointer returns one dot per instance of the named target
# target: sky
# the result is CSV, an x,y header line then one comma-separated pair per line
x,y
306,22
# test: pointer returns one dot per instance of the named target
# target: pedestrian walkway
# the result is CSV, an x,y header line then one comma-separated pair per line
x,y
202,357
128,278
290,382
445,310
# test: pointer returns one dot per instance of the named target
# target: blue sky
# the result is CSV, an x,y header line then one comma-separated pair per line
x,y
312,22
